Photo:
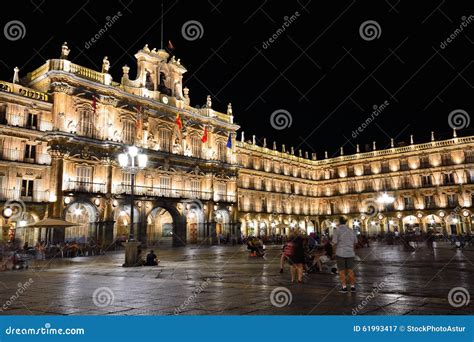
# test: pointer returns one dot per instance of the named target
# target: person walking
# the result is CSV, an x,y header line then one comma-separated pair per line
x,y
295,255
344,241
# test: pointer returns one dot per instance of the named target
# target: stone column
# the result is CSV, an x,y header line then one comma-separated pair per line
x,y
108,221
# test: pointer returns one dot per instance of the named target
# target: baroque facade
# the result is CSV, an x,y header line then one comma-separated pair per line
x,y
62,127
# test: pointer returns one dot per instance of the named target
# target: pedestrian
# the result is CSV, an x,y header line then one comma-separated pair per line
x,y
344,240
295,255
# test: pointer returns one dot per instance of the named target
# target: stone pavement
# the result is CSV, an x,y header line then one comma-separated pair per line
x,y
223,280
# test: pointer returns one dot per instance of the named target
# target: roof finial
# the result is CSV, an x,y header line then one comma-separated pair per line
x,y
16,78
392,143
411,139
374,146
357,148
432,136
455,134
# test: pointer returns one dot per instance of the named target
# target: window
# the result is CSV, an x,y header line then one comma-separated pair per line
x,y
26,188
408,202
86,125
165,185
452,200
195,188
32,121
448,178
429,202
128,132
165,138
84,178
196,147
221,151
30,152
426,181
221,191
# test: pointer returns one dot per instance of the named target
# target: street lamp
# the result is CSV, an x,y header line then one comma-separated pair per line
x,y
385,199
132,161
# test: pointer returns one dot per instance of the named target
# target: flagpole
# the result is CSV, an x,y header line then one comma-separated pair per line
x,y
162,25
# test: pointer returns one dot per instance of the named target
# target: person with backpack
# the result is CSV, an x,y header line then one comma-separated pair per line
x,y
344,241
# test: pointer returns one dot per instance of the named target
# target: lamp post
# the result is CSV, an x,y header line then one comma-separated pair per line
x,y
385,199
131,161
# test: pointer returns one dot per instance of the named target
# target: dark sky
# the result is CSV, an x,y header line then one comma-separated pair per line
x,y
320,69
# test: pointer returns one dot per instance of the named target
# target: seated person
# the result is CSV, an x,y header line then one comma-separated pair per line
x,y
151,259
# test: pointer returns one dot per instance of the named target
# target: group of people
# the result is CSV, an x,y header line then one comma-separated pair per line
x,y
341,249
151,258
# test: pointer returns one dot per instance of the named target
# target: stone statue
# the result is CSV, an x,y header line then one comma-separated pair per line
x,y
146,48
65,51
208,102
229,109
105,65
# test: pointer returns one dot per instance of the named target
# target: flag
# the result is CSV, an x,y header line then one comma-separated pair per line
x,y
204,135
170,45
94,104
229,141
139,118
178,121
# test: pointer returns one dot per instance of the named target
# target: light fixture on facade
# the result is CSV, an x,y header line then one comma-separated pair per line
x,y
67,200
399,215
333,224
77,211
465,213
391,222
52,198
441,214
114,203
22,223
356,223
385,199
419,215
455,221
97,202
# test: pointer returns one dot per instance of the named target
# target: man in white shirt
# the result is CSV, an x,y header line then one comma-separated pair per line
x,y
344,240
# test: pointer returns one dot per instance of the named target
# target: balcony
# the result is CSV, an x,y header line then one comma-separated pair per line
x,y
32,196
149,191
27,121
86,187
18,155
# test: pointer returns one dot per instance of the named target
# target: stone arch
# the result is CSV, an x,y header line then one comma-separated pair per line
x,y
122,222
167,221
85,214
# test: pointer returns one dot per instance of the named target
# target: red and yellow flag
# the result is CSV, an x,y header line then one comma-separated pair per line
x,y
178,121
204,135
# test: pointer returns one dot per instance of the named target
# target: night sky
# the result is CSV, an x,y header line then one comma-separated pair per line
x,y
323,70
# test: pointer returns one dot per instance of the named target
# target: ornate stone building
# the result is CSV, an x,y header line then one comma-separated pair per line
x,y
62,127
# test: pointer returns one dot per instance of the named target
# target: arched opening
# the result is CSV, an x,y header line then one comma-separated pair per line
x,y
122,222
85,215
411,224
223,228
452,222
433,223
194,224
24,235
159,229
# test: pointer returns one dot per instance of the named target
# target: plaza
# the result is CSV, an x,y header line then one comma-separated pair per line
x,y
224,280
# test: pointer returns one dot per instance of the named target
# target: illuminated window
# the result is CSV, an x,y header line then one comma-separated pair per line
x,y
165,139
128,132
86,123
196,146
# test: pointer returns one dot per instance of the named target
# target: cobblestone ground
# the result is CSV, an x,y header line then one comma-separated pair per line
x,y
223,280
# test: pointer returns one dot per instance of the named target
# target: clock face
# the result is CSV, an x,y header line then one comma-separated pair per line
x,y
165,100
